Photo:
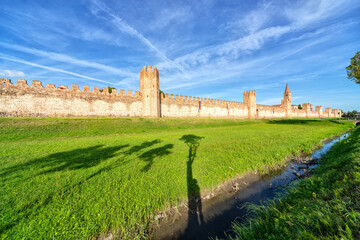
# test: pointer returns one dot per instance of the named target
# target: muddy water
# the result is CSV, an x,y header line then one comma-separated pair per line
x,y
217,213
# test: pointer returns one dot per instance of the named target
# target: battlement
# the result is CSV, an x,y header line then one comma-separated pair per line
x,y
149,71
249,93
318,108
180,99
36,86
22,99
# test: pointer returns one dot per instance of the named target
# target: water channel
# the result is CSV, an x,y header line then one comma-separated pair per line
x,y
218,213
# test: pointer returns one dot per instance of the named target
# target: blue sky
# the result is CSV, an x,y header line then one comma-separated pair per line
x,y
212,49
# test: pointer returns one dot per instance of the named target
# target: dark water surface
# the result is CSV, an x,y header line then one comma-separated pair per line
x,y
219,212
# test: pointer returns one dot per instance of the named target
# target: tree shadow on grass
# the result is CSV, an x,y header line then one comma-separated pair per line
x,y
195,216
153,153
293,121
337,122
82,158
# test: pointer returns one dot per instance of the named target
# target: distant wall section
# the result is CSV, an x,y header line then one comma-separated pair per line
x,y
23,100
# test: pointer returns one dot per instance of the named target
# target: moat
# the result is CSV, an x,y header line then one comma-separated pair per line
x,y
216,214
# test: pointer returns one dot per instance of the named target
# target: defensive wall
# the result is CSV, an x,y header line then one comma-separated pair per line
x,y
25,100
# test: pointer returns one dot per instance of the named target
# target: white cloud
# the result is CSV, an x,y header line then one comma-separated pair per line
x,y
68,59
205,63
173,15
125,27
12,73
13,59
254,20
305,13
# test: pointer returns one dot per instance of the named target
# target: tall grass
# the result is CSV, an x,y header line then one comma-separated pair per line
x,y
323,206
80,178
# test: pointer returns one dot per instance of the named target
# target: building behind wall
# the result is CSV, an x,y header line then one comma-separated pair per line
x,y
23,100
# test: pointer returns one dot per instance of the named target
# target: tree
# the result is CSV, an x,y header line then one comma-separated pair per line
x,y
353,70
110,89
351,114
299,107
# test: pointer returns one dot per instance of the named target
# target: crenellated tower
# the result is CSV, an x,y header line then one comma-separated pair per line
x,y
286,102
250,102
149,90
319,111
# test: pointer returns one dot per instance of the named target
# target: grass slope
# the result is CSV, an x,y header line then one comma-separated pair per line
x,y
79,178
323,206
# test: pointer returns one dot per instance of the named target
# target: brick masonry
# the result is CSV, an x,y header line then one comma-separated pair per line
x,y
23,100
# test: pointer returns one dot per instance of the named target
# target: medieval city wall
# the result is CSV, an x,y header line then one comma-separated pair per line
x,y
184,106
265,111
23,100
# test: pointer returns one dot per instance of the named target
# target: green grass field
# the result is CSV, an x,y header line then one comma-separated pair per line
x,y
323,206
80,178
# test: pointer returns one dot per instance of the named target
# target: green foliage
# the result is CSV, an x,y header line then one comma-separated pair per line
x,y
323,206
68,178
351,114
161,92
353,70
110,89
300,107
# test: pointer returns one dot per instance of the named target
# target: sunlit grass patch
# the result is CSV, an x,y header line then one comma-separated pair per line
x,y
70,178
323,206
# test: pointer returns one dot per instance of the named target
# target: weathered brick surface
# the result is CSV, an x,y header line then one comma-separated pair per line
x,y
21,100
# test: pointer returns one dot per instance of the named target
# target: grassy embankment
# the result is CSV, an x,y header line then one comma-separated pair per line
x,y
78,178
323,206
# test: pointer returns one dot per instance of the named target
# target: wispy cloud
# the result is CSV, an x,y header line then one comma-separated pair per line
x,y
304,13
222,55
123,26
11,73
176,15
13,59
254,20
68,59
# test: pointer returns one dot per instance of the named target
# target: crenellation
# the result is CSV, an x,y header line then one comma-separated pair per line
x,y
36,85
86,89
96,91
21,83
75,88
50,87
114,92
105,91
146,102
5,82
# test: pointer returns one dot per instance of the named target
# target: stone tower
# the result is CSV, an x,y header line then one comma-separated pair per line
x,y
149,89
307,108
319,110
250,102
286,103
